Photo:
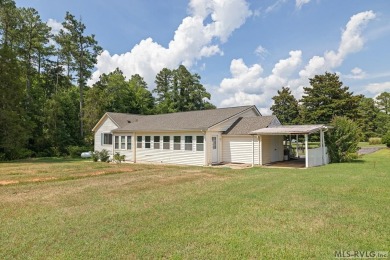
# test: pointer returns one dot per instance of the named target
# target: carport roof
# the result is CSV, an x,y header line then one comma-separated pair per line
x,y
290,129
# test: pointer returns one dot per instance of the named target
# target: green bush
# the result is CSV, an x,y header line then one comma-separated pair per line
x,y
95,156
75,151
104,156
342,141
386,139
119,158
374,140
14,154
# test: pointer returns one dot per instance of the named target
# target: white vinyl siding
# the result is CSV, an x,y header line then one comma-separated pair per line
x,y
170,155
272,147
105,128
123,145
238,149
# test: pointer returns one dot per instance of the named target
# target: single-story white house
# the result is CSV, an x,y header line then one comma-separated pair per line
x,y
205,137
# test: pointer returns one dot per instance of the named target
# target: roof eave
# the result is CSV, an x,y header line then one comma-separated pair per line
x,y
158,130
102,120
226,119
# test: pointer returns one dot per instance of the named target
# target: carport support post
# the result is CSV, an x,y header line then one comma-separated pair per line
x,y
296,146
306,151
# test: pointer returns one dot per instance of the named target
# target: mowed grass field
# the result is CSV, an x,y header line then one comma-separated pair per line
x,y
64,209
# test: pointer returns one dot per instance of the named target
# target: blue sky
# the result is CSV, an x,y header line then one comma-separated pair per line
x,y
244,50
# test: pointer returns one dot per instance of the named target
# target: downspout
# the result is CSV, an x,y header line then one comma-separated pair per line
x,y
260,150
253,150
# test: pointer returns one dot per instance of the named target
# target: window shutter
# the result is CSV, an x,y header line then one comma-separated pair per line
x,y
101,139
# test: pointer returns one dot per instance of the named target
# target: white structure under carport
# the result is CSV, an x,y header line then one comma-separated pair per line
x,y
313,157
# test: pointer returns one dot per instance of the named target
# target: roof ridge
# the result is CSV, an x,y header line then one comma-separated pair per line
x,y
180,112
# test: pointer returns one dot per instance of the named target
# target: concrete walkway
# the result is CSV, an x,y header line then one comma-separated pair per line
x,y
368,150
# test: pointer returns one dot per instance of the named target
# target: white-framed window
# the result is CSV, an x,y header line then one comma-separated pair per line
x,y
156,141
120,142
116,145
106,138
123,142
199,143
147,141
166,142
139,141
129,142
176,142
188,143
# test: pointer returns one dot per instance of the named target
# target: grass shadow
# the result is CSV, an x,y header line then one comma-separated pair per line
x,y
47,160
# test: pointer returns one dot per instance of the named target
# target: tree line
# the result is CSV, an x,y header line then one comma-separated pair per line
x,y
47,107
327,98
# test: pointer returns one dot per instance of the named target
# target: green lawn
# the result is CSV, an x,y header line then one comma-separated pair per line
x,y
66,209
366,144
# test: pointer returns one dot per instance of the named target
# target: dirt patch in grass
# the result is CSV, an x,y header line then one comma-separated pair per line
x,y
74,176
7,182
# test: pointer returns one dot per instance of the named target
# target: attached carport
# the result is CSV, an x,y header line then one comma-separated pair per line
x,y
313,157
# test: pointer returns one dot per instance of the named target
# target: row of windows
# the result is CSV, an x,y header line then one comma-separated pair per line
x,y
159,142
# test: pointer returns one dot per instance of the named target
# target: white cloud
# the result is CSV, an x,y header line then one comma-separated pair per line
x,y
376,88
244,78
247,84
261,51
356,73
274,6
351,42
192,41
55,26
300,3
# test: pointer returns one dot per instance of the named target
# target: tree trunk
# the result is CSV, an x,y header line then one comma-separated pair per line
x,y
81,85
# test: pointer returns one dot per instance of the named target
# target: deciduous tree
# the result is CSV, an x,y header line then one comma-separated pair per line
x,y
383,102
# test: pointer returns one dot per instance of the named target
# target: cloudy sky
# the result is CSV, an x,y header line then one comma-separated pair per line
x,y
244,50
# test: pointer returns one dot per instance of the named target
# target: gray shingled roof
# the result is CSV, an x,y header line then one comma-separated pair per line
x,y
192,120
290,129
245,125
123,119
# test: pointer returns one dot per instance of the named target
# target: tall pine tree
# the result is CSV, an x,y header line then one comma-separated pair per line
x,y
285,107
326,98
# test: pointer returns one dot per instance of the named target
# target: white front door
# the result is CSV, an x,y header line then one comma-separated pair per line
x,y
275,151
214,142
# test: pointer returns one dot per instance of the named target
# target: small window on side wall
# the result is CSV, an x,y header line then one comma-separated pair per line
x,y
188,143
116,142
176,142
123,142
199,143
139,141
156,141
129,142
147,142
166,142
106,139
